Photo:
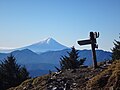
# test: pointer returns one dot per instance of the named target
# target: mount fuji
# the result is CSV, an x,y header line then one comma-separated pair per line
x,y
48,44
45,45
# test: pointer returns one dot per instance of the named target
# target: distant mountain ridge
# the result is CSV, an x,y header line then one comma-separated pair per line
x,y
47,60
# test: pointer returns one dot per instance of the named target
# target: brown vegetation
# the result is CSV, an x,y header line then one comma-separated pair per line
x,y
38,83
77,79
108,79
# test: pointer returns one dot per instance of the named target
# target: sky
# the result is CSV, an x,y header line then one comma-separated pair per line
x,y
23,22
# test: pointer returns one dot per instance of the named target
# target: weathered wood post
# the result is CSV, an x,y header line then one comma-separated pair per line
x,y
93,45
93,42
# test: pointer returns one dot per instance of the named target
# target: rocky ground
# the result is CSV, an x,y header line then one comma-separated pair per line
x,y
71,79
105,78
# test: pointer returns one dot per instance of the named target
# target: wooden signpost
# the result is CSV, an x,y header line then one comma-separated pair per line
x,y
93,42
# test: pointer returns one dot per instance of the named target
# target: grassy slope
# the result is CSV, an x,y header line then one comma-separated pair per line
x,y
84,79
108,79
38,83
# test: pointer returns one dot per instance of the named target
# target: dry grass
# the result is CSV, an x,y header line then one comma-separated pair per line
x,y
108,78
38,83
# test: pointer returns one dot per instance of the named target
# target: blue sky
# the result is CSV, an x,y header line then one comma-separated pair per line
x,y
23,22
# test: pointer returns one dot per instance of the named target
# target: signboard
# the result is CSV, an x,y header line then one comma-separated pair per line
x,y
84,42
92,41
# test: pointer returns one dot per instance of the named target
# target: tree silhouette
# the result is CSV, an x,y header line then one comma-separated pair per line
x,y
11,74
116,50
71,61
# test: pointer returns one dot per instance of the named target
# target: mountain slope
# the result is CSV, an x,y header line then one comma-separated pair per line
x,y
45,45
109,79
79,79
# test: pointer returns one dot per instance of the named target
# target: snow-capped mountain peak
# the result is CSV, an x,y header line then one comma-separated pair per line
x,y
48,44
45,45
47,41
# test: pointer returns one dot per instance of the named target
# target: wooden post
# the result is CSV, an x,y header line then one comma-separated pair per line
x,y
93,46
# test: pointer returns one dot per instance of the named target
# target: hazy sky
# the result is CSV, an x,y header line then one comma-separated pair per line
x,y
23,22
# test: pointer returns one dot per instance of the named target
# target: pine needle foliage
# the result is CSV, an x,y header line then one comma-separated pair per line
x,y
116,50
71,61
11,74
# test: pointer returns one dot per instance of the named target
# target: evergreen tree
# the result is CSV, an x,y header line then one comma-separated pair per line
x,y
11,74
116,50
71,61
